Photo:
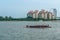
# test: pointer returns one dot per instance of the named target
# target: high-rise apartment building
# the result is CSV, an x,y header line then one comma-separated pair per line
x,y
42,14
55,13
30,14
46,15
36,13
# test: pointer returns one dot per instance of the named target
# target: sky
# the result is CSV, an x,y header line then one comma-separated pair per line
x,y
19,8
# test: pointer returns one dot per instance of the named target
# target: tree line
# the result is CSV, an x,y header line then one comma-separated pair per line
x,y
5,18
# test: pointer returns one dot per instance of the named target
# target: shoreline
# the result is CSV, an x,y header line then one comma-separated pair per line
x,y
29,20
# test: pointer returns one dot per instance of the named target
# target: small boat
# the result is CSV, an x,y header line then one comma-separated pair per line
x,y
39,26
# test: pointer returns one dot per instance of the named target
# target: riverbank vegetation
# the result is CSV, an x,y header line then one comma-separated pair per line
x,y
6,18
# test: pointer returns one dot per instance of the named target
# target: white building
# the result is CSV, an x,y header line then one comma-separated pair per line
x,y
46,13
41,14
30,14
53,17
35,14
55,13
50,15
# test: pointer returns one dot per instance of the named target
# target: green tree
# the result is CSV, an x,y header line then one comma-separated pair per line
x,y
6,18
1,17
10,17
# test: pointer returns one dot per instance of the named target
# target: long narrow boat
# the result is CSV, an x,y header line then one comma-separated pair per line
x,y
38,26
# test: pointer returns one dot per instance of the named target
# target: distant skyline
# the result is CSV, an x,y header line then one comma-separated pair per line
x,y
19,8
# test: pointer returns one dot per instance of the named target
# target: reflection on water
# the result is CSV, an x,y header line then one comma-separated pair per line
x,y
16,30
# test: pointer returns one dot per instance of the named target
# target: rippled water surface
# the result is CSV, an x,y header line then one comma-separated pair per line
x,y
16,30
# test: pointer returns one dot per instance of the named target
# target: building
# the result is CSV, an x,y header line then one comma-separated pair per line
x,y
35,14
46,15
30,14
53,16
55,13
42,14
50,15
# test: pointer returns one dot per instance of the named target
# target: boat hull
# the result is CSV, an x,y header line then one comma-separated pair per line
x,y
39,26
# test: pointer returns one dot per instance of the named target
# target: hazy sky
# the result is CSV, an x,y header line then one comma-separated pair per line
x,y
19,8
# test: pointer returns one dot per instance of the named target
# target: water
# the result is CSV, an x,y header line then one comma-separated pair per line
x,y
16,30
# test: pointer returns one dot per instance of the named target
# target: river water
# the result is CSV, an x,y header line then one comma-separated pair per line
x,y
16,30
